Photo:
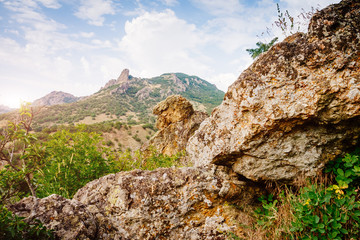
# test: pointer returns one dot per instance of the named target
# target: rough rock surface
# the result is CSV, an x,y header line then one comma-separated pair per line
x,y
172,203
124,76
185,203
69,218
294,108
177,121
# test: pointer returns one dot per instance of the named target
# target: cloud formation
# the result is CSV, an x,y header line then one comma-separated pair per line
x,y
160,40
94,10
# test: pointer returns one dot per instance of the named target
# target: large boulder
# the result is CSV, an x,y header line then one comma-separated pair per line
x,y
69,218
295,108
172,203
177,121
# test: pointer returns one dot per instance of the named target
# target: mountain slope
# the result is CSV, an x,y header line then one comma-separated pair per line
x,y
55,98
131,99
5,109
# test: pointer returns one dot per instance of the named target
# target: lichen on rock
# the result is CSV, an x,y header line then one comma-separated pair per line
x,y
177,121
295,108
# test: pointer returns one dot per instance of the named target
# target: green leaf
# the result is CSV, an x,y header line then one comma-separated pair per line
x,y
316,219
348,173
340,172
357,213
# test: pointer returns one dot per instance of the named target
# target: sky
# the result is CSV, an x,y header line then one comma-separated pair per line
x,y
76,46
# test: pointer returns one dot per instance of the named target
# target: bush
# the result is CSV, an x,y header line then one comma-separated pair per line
x,y
14,227
318,211
73,159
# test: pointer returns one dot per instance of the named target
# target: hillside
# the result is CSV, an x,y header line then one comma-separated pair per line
x,y
5,109
126,101
131,99
55,98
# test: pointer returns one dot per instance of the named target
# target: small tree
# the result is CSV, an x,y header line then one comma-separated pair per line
x,y
19,151
262,47
288,26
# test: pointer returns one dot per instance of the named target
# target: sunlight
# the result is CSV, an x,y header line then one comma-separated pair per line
x,y
11,101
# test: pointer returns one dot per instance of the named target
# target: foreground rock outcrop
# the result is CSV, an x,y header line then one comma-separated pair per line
x,y
294,108
186,203
177,121
69,218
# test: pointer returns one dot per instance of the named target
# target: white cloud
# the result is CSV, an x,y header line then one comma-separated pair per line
x,y
159,40
169,2
219,7
87,34
93,11
50,3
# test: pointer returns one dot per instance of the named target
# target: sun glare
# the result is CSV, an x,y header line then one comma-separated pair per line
x,y
11,101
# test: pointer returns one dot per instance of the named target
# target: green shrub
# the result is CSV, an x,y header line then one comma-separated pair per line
x,y
14,227
73,159
332,212
318,211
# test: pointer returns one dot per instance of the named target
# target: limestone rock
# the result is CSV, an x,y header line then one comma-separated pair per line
x,y
177,121
124,76
110,83
143,93
69,218
173,109
185,203
296,107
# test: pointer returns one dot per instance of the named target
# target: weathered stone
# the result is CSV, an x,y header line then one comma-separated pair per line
x,y
173,109
185,203
296,107
69,218
124,76
177,121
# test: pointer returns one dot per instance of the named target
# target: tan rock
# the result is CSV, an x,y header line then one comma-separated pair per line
x,y
69,218
172,203
168,203
173,109
124,76
294,108
177,121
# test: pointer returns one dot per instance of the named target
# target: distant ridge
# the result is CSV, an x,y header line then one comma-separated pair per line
x,y
5,109
55,98
127,99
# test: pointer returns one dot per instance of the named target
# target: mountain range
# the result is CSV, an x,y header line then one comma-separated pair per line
x,y
127,100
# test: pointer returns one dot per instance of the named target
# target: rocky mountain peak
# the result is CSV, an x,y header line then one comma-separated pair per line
x,y
124,76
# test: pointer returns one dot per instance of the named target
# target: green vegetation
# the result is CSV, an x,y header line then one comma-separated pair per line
x,y
288,26
72,160
59,162
112,103
261,48
15,228
325,208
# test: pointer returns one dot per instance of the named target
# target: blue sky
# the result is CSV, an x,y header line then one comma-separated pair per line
x,y
77,46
